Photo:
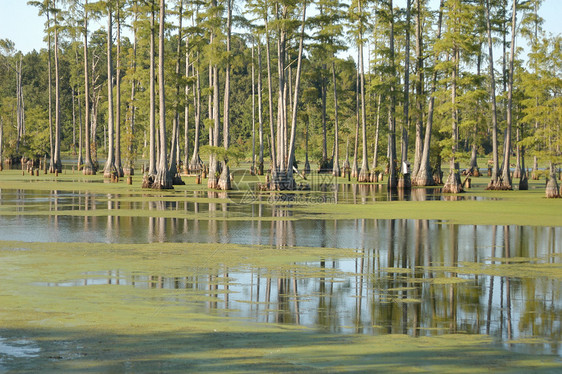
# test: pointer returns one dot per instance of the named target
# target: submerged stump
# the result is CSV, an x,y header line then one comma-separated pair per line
x,y
523,182
363,176
147,181
224,180
162,181
552,190
453,184
282,182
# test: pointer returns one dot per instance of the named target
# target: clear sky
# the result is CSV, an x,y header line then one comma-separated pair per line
x,y
20,22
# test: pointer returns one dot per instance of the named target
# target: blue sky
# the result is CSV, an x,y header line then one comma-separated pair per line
x,y
20,23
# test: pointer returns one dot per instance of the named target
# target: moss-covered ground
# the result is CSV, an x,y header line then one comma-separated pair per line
x,y
116,327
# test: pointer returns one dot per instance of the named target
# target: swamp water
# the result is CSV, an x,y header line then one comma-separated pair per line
x,y
79,262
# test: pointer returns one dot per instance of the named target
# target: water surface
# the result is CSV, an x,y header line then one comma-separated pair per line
x,y
412,277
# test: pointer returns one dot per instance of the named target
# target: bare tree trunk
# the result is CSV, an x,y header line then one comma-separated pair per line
x,y
73,97
419,90
296,97
224,180
281,104
196,163
517,172
80,161
19,103
424,176
374,165
186,112
324,139
453,184
523,179
260,113
109,165
506,172
88,165
57,158
405,181
253,167
174,151
306,169
364,175
336,159
117,161
214,134
152,93
129,165
163,180
392,177
473,163
270,100
354,165
50,88
495,181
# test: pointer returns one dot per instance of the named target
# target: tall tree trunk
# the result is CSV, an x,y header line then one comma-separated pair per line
x,y
270,99
110,163
186,111
374,165
453,184
50,88
214,134
260,112
129,164
73,98
213,111
281,105
392,177
424,176
306,169
523,179
495,181
163,179
336,159
291,150
80,161
364,175
253,167
517,171
324,137
473,163
152,108
506,172
196,164
57,158
117,161
405,176
19,102
174,151
419,90
354,165
224,180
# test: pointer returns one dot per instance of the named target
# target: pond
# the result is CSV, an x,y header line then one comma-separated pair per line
x,y
397,276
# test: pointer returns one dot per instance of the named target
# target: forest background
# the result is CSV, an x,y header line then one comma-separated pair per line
x,y
364,85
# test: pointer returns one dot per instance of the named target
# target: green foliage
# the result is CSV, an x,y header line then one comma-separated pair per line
x,y
332,27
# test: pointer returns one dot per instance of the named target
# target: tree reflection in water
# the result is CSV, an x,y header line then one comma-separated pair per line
x,y
408,276
411,277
